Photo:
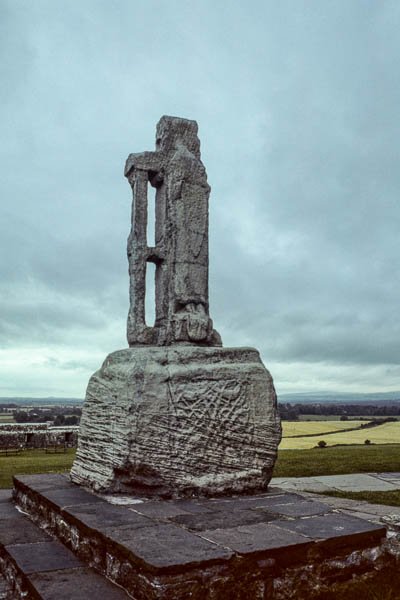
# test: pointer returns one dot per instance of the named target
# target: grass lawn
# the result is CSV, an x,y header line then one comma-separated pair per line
x,y
338,460
320,418
290,463
6,418
309,435
33,461
308,428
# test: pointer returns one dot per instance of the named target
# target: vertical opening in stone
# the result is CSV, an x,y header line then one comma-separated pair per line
x,y
151,215
150,298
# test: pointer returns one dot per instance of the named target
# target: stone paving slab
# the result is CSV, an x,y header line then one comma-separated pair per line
x,y
224,520
161,510
193,506
347,504
297,509
366,516
393,477
259,538
46,481
102,516
7,511
75,584
166,545
70,496
42,556
5,495
299,484
354,482
375,513
20,530
330,526
259,501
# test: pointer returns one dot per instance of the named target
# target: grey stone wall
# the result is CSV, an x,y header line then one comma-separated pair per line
x,y
36,435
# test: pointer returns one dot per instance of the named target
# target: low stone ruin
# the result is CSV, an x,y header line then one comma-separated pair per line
x,y
176,414
37,435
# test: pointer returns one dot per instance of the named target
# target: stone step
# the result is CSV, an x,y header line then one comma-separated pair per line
x,y
36,566
229,547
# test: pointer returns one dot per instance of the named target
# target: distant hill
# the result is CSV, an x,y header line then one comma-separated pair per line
x,y
40,401
293,398
340,398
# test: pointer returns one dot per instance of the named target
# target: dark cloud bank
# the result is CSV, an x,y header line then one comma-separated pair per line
x,y
297,105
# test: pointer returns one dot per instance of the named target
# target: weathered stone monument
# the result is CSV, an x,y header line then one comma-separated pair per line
x,y
176,414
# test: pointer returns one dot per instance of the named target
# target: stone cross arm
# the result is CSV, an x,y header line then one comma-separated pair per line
x,y
151,162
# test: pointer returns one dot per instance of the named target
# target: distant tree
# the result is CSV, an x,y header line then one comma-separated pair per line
x,y
367,442
288,412
322,444
71,420
21,416
344,418
59,420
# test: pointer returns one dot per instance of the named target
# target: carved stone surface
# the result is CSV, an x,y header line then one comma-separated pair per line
x,y
181,239
176,414
179,420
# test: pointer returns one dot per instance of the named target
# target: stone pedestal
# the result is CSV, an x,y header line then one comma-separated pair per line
x,y
179,421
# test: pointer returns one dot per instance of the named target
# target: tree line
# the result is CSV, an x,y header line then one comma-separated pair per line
x,y
291,412
58,415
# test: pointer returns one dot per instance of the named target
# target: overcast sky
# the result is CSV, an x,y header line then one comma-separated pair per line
x,y
298,110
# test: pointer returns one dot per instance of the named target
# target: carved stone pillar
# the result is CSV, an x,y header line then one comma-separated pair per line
x,y
175,414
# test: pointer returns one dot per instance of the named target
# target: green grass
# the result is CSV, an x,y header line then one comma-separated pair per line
x,y
320,417
338,460
6,418
33,461
291,463
390,498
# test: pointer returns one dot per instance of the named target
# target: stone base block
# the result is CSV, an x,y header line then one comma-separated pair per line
x,y
179,421
274,546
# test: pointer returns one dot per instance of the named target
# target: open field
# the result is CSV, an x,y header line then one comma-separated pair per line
x,y
337,417
290,463
33,461
6,418
319,417
338,461
290,428
388,433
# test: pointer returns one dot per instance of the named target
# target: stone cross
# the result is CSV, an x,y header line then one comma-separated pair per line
x,y
176,415
181,239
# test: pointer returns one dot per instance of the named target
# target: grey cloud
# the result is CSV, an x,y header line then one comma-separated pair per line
x,y
297,106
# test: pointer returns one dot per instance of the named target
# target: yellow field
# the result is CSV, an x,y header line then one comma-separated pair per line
x,y
307,427
389,433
